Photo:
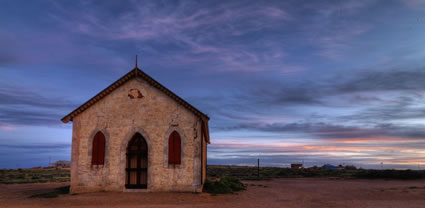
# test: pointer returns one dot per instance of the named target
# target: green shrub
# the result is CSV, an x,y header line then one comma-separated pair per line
x,y
63,190
45,195
225,185
216,187
52,194
233,183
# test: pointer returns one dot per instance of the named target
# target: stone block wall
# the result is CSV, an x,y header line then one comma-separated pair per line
x,y
120,115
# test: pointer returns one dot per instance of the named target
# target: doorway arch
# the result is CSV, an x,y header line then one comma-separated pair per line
x,y
136,163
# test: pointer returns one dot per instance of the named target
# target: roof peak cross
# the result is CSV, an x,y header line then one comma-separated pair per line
x,y
136,63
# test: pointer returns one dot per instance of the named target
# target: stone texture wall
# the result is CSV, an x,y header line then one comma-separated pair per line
x,y
119,116
204,161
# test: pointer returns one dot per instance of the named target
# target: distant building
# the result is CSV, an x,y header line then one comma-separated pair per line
x,y
62,164
137,134
296,166
330,167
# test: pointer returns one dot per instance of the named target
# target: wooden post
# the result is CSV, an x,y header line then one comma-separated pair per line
x,y
258,168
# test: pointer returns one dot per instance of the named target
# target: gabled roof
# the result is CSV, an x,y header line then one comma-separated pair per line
x,y
136,72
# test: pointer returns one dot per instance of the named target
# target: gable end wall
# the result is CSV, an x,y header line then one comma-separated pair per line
x,y
120,117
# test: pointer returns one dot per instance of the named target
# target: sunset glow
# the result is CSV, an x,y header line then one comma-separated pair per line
x,y
318,82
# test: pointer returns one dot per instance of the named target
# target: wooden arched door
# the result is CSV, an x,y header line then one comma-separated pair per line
x,y
137,163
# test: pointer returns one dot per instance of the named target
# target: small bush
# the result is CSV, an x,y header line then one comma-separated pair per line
x,y
45,195
63,190
225,185
52,194
215,187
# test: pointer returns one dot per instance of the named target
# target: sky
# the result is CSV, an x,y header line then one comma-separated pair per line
x,y
338,81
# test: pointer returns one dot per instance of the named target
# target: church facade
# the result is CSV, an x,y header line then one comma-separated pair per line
x,y
136,135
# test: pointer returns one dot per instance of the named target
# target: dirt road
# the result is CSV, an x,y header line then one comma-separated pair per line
x,y
275,193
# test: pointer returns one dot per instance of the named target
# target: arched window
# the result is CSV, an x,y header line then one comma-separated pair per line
x,y
174,149
98,151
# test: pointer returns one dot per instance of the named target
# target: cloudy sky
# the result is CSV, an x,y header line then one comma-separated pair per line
x,y
334,81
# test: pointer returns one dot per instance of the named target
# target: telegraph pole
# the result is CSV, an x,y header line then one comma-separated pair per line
x,y
258,168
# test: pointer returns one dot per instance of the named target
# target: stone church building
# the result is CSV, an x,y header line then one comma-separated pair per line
x,y
137,135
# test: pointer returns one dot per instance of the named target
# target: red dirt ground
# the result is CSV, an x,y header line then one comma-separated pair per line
x,y
275,193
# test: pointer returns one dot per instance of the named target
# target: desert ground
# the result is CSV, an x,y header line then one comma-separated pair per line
x,y
302,193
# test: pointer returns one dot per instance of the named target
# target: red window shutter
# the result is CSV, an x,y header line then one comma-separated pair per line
x,y
101,149
177,148
174,148
94,150
98,150
171,149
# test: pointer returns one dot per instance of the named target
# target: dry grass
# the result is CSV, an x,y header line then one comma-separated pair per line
x,y
40,175
251,173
